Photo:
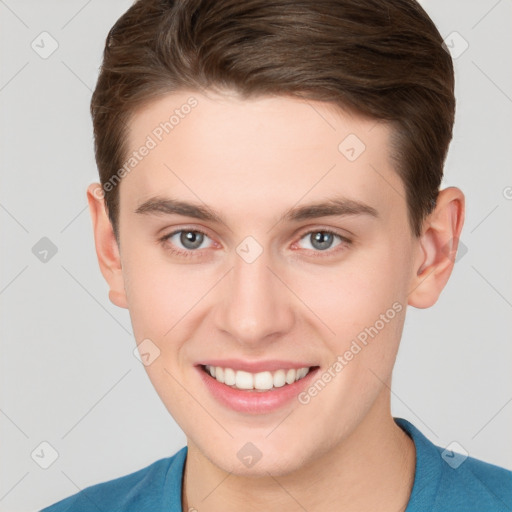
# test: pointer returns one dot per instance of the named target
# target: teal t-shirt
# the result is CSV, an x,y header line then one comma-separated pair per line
x,y
443,482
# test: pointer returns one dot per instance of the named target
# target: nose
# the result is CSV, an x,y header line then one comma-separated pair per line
x,y
254,306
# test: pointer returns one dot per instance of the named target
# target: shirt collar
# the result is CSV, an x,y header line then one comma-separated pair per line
x,y
427,472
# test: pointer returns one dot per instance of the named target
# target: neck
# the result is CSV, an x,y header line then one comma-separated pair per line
x,y
371,469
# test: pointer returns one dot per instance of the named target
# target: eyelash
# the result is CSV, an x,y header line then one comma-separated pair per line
x,y
180,252
192,253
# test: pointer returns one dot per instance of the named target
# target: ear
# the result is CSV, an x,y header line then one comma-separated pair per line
x,y
107,250
437,248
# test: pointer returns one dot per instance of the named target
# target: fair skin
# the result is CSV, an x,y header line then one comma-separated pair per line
x,y
252,161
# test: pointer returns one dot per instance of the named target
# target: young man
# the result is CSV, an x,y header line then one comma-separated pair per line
x,y
269,206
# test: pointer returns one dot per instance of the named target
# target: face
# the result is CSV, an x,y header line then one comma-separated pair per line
x,y
257,238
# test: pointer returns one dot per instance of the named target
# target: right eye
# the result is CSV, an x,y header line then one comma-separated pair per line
x,y
190,240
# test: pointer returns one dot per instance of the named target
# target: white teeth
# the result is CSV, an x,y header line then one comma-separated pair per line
x,y
302,372
279,379
244,380
261,381
229,376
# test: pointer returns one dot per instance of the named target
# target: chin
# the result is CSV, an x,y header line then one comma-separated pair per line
x,y
257,459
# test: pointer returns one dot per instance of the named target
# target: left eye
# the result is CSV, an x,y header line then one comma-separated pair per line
x,y
322,240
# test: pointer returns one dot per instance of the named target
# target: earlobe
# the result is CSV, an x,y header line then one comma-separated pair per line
x,y
107,249
437,248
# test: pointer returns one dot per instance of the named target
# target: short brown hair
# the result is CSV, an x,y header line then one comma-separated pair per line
x,y
383,59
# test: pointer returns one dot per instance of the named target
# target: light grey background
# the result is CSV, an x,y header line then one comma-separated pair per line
x,y
68,374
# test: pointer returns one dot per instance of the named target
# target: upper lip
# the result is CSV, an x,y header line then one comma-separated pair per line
x,y
256,366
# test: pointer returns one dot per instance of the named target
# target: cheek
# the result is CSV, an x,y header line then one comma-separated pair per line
x,y
158,293
353,295
362,302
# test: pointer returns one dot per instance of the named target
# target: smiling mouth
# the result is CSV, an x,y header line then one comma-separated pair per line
x,y
260,381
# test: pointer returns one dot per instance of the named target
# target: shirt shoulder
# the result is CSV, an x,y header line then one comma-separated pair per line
x,y
153,488
446,481
474,486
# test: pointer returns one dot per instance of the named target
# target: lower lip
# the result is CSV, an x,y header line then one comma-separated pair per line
x,y
255,402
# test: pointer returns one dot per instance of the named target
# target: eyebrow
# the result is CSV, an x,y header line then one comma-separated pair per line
x,y
337,206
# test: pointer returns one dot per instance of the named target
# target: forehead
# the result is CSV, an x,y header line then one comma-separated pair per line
x,y
239,154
